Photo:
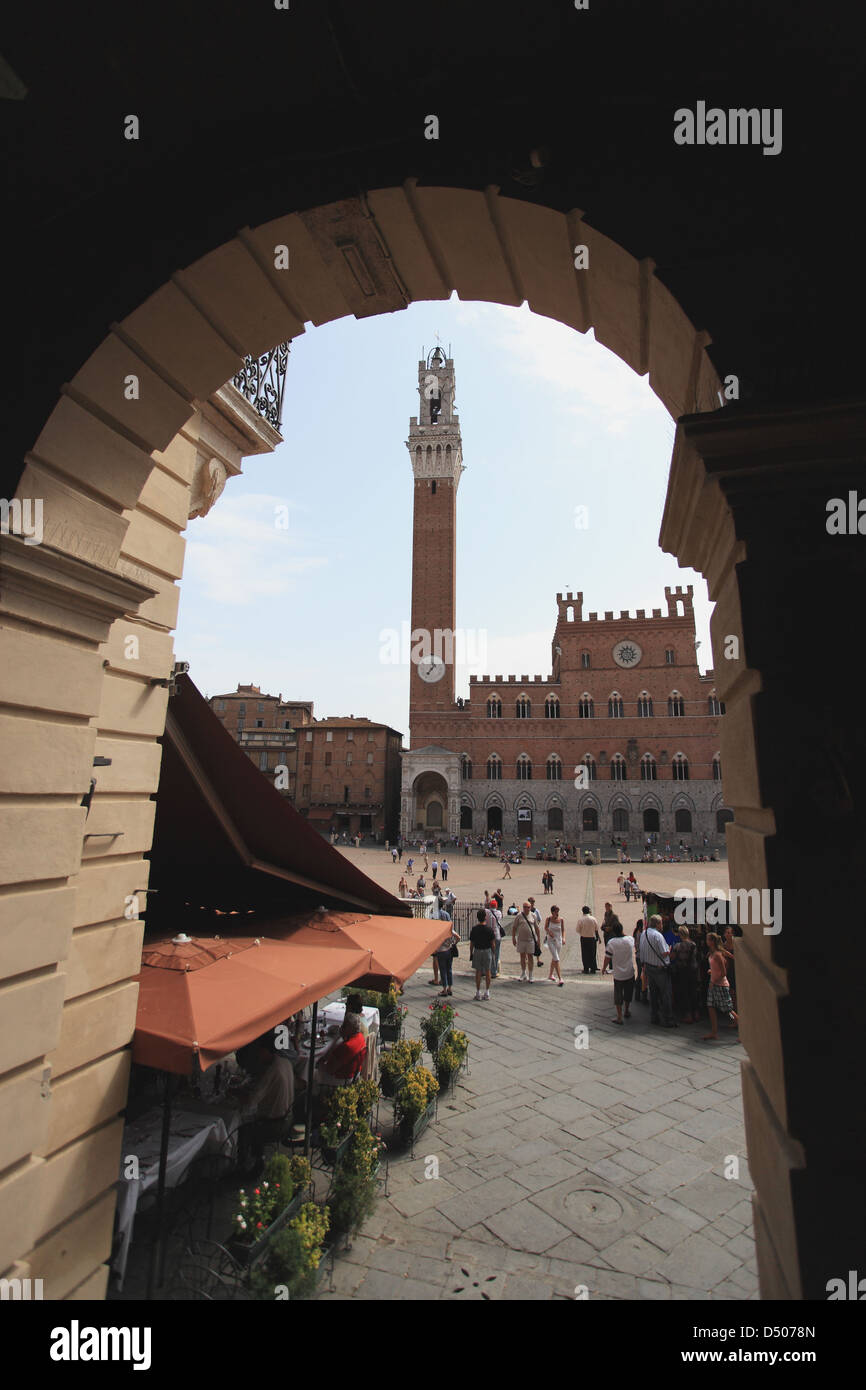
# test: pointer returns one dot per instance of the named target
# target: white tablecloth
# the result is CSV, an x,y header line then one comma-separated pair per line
x,y
192,1132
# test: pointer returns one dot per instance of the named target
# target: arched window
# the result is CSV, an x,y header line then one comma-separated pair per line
x,y
590,818
716,705
620,818
723,818
670,656
589,763
551,707
680,767
717,768
683,822
494,707
554,818
466,767
644,706
554,768
585,660
676,705
615,707
523,708
585,707
465,817
494,768
618,768
648,770
524,768
651,820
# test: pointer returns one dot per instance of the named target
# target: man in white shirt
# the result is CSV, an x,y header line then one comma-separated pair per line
x,y
619,952
655,958
587,930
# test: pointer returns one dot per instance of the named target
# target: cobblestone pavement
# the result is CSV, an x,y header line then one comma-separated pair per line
x,y
562,1169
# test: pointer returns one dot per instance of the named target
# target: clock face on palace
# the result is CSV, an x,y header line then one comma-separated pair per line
x,y
431,669
627,653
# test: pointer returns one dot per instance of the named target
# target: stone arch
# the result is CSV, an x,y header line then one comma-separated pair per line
x,y
493,799
683,802
649,802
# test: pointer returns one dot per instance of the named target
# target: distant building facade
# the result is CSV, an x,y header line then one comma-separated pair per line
x,y
619,742
343,773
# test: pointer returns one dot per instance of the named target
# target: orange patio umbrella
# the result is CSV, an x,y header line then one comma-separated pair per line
x,y
202,998
396,946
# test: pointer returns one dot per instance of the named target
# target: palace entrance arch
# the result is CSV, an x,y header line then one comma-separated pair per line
x,y
116,474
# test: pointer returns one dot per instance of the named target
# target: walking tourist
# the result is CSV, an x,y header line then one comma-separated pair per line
x,y
524,936
587,930
719,994
655,958
684,978
507,873
619,951
482,940
554,931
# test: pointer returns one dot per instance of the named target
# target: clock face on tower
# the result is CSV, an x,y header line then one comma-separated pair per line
x,y
627,653
431,669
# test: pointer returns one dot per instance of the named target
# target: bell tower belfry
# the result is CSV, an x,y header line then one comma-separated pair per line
x,y
436,452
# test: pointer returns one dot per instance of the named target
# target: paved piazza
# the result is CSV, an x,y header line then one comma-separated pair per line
x,y
559,1168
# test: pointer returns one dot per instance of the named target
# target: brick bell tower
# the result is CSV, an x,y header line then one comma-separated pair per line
x,y
436,452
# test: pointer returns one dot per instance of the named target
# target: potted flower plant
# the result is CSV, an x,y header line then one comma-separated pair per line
x,y
265,1209
344,1108
437,1024
450,1056
394,1065
293,1260
415,1103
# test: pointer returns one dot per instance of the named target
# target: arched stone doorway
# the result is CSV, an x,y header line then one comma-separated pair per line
x,y
116,472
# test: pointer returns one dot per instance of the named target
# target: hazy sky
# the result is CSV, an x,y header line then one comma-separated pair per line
x,y
551,422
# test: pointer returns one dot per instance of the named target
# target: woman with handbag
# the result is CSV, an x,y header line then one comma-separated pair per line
x,y
445,959
554,931
524,937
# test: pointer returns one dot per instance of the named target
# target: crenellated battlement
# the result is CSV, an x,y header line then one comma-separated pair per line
x,y
570,609
512,680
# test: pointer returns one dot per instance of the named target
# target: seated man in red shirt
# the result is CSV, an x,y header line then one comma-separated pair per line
x,y
345,1060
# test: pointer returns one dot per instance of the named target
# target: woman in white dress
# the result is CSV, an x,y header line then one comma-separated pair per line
x,y
553,929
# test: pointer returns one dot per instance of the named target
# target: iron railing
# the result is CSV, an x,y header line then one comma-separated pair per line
x,y
262,381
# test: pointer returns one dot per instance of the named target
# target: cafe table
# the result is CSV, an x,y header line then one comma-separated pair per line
x,y
197,1127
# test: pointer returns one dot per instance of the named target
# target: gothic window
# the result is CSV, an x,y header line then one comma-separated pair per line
x,y
615,707
585,660
554,768
466,768
644,706
494,707
648,768
524,768
670,656
551,707
676,705
554,818
716,705
590,818
618,768
589,762
717,768
680,767
651,820
523,708
683,822
620,819
585,707
494,768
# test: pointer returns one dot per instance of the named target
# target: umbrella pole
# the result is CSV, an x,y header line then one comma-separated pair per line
x,y
157,1253
308,1124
